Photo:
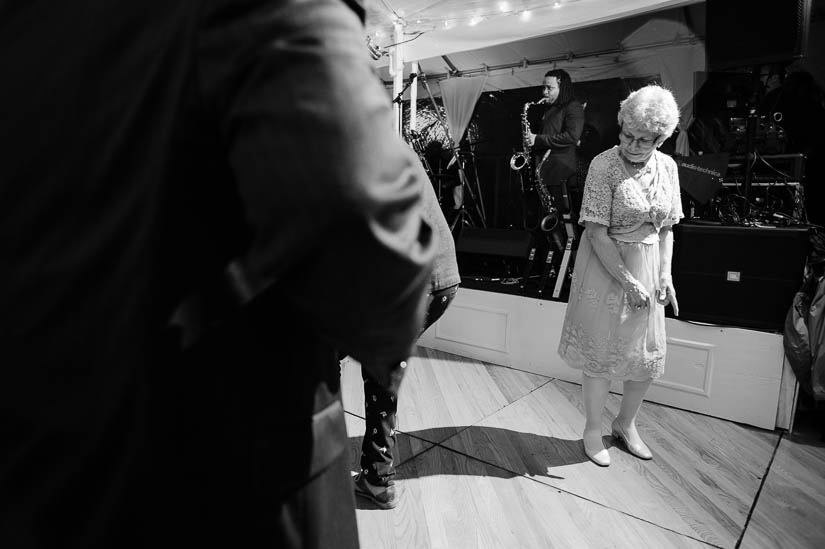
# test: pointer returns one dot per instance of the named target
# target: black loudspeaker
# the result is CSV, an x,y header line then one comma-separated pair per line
x,y
743,32
738,276
494,253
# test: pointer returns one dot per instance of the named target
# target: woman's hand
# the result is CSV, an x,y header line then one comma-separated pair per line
x,y
636,295
667,294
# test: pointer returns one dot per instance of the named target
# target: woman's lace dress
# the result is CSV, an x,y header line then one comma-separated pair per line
x,y
602,334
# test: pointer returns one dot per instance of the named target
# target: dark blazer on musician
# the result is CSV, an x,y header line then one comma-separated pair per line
x,y
152,152
561,128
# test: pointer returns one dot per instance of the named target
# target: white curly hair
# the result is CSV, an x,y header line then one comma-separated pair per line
x,y
652,108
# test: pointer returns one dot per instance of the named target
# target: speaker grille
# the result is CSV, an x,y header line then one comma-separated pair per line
x,y
498,242
739,276
493,252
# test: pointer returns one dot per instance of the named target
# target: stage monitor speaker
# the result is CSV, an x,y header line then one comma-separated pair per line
x,y
738,276
493,252
740,33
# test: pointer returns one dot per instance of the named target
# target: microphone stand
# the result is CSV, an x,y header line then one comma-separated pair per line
x,y
750,151
398,97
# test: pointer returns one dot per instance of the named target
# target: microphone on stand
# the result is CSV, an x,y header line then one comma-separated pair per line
x,y
375,51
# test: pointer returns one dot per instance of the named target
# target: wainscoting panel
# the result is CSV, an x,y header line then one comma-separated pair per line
x,y
475,326
696,367
725,372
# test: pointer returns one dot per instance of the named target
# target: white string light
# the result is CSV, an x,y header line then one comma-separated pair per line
x,y
503,9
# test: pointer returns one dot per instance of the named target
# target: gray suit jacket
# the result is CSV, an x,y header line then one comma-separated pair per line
x,y
146,146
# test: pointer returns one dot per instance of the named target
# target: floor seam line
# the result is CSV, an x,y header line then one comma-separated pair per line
x,y
759,490
460,430
578,496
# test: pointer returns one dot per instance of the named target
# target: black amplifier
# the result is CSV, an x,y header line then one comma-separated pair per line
x,y
738,276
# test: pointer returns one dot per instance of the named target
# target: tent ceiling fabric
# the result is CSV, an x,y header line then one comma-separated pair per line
x,y
666,43
666,27
622,47
439,27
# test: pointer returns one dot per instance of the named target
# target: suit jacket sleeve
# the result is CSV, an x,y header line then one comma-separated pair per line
x,y
330,192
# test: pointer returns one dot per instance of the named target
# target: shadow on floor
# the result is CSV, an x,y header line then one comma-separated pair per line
x,y
529,454
475,451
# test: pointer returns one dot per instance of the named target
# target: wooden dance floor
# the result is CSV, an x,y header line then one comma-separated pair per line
x,y
491,457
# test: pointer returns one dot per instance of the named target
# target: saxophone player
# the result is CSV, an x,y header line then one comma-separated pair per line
x,y
556,134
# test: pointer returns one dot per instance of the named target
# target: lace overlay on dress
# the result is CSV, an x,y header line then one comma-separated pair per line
x,y
602,356
613,198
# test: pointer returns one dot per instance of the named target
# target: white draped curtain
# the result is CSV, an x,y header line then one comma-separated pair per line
x,y
460,96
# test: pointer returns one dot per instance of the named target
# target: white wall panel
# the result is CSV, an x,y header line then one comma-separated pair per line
x,y
731,373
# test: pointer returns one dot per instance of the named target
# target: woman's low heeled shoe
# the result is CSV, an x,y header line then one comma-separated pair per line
x,y
596,453
637,448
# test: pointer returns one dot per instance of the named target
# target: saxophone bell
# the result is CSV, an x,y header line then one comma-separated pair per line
x,y
550,221
522,158
551,213
518,161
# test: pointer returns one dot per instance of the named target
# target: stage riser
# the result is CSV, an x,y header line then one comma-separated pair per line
x,y
730,373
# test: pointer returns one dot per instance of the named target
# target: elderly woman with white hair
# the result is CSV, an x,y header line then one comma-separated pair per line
x,y
614,327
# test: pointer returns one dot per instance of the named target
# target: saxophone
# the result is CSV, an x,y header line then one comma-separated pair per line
x,y
521,159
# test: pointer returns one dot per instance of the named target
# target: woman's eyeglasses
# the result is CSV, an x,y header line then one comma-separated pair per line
x,y
644,142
